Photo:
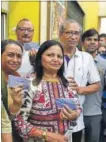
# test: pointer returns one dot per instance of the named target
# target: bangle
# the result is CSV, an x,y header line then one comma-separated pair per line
x,y
44,135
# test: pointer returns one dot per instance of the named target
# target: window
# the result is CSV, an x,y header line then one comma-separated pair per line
x,y
102,25
3,25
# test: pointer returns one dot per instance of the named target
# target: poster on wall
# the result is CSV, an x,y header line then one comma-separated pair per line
x,y
57,16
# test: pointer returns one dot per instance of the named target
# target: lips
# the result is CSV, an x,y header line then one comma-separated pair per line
x,y
56,65
71,42
15,66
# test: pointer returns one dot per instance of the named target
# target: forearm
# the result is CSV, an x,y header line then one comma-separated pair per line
x,y
14,108
6,137
48,136
89,89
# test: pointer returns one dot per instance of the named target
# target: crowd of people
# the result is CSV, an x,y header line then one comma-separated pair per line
x,y
55,69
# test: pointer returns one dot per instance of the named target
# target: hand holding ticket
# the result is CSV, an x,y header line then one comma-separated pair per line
x,y
14,81
65,101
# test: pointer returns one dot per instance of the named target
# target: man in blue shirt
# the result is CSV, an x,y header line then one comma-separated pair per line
x,y
92,105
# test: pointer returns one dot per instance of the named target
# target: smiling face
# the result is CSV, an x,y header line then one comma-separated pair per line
x,y
71,35
102,40
11,58
52,59
91,43
25,31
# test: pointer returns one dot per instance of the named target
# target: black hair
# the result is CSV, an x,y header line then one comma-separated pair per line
x,y
102,35
88,33
38,65
4,43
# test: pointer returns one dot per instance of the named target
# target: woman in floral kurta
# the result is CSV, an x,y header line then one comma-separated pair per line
x,y
39,111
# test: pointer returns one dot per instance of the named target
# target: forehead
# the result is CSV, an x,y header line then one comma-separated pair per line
x,y
102,47
54,48
92,37
102,38
13,48
72,26
25,24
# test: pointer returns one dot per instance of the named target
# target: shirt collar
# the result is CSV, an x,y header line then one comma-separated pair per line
x,y
77,52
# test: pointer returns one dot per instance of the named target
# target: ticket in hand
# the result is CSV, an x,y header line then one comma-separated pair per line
x,y
65,101
17,81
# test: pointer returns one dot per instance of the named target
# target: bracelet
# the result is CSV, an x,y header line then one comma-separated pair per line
x,y
44,135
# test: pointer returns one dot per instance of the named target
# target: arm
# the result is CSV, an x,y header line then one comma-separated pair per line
x,y
6,137
6,126
93,79
16,94
26,129
87,90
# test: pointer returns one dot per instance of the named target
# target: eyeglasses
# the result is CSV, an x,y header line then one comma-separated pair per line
x,y
25,29
71,33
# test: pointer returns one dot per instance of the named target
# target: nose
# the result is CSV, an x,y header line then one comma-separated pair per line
x,y
92,41
15,59
55,58
26,32
73,36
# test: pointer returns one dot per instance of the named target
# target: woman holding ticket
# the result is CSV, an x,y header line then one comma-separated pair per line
x,y
42,116
11,57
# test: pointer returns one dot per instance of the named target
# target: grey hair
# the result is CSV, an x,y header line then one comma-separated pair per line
x,y
22,20
67,21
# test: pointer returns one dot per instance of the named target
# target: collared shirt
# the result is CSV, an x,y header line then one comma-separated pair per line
x,y
25,68
92,104
82,67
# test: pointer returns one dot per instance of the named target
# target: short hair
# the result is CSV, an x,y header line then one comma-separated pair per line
x,y
22,20
102,35
88,33
67,21
6,42
38,65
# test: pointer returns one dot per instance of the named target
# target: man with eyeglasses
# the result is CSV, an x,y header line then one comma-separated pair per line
x,y
24,33
79,69
92,105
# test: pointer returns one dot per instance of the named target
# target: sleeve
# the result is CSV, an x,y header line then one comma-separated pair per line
x,y
93,73
22,117
5,121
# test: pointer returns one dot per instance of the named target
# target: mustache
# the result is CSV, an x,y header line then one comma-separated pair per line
x,y
25,36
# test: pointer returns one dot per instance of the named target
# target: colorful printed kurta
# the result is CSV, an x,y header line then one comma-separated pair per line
x,y
39,108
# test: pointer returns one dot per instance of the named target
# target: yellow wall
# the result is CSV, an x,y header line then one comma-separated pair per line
x,y
91,10
20,10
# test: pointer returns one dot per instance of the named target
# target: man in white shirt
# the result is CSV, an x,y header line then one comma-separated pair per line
x,y
79,67
24,33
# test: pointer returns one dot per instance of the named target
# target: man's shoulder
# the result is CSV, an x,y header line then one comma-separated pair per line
x,y
101,58
101,61
84,54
